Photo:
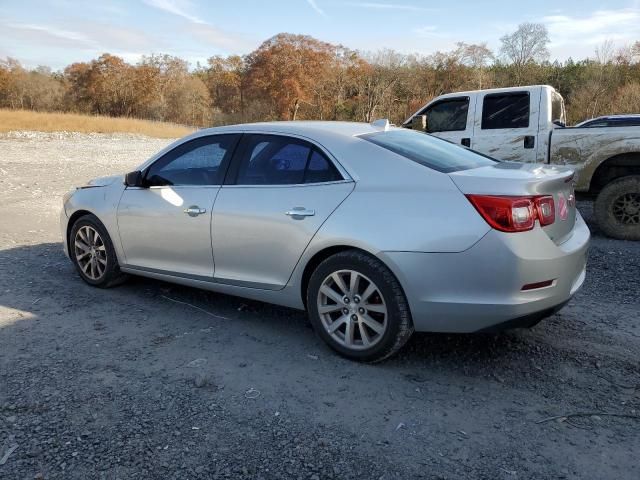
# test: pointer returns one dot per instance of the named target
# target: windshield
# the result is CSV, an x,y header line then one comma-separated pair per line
x,y
432,152
557,109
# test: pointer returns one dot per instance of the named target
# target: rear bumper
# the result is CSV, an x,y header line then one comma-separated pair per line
x,y
527,321
481,288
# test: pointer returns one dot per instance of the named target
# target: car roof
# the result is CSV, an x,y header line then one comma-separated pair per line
x,y
298,127
628,116
331,135
619,116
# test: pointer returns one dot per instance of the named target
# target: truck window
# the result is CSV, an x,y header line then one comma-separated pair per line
x,y
448,115
505,110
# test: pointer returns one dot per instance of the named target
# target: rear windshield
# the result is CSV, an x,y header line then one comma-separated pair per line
x,y
429,151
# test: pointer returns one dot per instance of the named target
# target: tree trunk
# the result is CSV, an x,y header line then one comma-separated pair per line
x,y
296,105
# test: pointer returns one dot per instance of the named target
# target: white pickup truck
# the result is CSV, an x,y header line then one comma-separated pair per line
x,y
527,124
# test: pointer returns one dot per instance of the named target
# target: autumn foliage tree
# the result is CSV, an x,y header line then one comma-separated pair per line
x,y
292,77
285,70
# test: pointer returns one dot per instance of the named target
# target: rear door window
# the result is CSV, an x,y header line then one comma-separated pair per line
x,y
505,110
281,160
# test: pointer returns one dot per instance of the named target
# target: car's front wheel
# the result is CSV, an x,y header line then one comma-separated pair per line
x,y
92,252
357,306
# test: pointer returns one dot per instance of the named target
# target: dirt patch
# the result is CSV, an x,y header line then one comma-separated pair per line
x,y
126,383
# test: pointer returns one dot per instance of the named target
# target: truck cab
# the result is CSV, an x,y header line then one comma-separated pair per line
x,y
506,123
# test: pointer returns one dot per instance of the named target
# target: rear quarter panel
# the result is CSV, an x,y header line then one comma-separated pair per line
x,y
400,205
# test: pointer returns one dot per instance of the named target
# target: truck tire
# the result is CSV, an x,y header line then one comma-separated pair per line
x,y
617,208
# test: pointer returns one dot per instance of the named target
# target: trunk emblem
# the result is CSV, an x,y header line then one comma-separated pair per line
x,y
563,210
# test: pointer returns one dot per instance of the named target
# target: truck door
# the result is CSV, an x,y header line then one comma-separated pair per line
x,y
451,118
506,125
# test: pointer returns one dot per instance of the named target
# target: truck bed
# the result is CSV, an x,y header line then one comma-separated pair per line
x,y
584,149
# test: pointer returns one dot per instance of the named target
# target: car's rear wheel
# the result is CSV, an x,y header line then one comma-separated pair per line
x,y
357,306
92,252
617,208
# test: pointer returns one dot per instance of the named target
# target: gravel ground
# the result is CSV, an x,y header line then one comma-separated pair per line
x,y
129,383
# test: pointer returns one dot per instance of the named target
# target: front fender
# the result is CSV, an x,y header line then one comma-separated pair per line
x,y
101,201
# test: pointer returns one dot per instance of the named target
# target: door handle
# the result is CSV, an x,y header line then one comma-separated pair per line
x,y
194,210
466,142
300,212
529,141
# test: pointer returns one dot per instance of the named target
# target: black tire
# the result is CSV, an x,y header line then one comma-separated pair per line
x,y
608,212
112,275
399,326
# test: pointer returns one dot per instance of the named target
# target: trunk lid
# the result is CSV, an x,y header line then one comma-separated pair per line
x,y
526,179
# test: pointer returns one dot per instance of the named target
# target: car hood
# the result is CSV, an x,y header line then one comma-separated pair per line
x,y
103,181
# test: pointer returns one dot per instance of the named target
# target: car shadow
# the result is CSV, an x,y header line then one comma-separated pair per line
x,y
39,282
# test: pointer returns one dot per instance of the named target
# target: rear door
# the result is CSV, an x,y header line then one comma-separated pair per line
x,y
280,191
451,118
506,125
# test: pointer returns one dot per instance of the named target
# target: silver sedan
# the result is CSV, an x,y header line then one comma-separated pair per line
x,y
376,231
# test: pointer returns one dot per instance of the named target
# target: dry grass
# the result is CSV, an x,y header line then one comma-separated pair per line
x,y
11,120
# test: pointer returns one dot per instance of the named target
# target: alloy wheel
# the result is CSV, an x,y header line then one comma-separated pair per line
x,y
90,252
352,309
626,209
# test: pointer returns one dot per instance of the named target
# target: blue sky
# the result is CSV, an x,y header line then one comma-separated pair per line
x,y
59,32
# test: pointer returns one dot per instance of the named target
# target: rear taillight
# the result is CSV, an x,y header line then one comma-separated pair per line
x,y
514,214
546,210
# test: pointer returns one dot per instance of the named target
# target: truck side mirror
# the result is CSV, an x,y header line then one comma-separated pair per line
x,y
133,179
419,122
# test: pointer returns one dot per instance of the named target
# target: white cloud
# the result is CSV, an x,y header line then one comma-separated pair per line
x,y
48,33
426,31
388,6
601,22
592,29
200,29
315,6
175,7
578,35
229,42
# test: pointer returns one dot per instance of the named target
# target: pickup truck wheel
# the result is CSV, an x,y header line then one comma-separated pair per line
x,y
617,208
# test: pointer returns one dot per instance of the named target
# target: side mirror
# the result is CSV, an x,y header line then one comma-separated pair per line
x,y
419,122
133,179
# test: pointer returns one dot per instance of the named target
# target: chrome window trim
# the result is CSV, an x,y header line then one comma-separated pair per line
x,y
290,185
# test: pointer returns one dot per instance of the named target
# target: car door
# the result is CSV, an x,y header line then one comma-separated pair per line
x,y
451,119
166,225
506,126
281,189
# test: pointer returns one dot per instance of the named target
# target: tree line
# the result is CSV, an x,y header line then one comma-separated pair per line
x,y
299,77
